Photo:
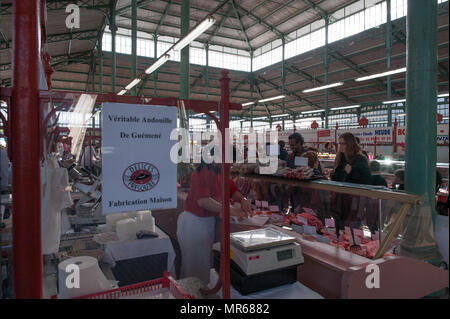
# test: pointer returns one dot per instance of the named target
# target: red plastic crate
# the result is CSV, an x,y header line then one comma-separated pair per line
x,y
152,285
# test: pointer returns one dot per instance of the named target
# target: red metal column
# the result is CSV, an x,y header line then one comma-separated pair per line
x,y
394,136
225,225
375,147
27,255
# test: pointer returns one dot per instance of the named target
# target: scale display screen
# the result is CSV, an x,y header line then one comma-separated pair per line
x,y
285,254
260,238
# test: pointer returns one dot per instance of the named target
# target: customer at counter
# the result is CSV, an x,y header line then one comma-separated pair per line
x,y
399,180
351,165
377,179
196,225
328,148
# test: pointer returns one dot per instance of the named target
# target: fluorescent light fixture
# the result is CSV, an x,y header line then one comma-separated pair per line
x,y
380,122
132,84
281,115
445,118
379,75
310,119
394,101
443,95
271,98
249,103
401,114
314,111
260,118
191,36
122,92
345,107
162,59
323,87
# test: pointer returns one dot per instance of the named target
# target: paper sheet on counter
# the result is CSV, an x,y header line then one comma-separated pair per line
x,y
252,221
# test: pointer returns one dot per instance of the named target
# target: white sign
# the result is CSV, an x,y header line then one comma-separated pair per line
x,y
300,161
137,171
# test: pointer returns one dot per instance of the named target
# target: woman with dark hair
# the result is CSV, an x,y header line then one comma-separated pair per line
x,y
350,164
196,225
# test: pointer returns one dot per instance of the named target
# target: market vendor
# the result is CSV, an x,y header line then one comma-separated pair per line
x,y
296,142
196,225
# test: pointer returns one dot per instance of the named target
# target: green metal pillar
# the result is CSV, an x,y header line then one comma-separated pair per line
x,y
421,86
184,81
207,70
388,59
112,26
155,73
252,81
283,81
100,65
326,71
133,43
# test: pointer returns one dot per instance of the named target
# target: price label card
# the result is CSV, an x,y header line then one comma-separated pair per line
x,y
329,222
309,230
330,230
297,228
302,220
258,203
300,161
264,204
357,240
274,208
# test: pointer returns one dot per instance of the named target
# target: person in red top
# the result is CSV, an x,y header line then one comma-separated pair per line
x,y
196,225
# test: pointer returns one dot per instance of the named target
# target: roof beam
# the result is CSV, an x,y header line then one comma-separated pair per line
x,y
261,21
220,25
52,5
242,26
163,17
78,35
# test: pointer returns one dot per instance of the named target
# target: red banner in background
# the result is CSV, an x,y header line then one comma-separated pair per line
x,y
324,133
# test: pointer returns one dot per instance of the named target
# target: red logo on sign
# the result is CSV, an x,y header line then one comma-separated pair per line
x,y
363,121
140,177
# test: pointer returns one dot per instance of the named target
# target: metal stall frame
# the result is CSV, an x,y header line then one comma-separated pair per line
x,y
30,130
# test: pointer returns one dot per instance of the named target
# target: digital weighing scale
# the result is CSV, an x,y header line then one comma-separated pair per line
x,y
261,259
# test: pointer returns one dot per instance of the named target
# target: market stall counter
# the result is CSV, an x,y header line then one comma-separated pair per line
x,y
140,260
350,233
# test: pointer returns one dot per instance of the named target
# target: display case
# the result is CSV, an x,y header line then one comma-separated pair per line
x,y
388,168
344,227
